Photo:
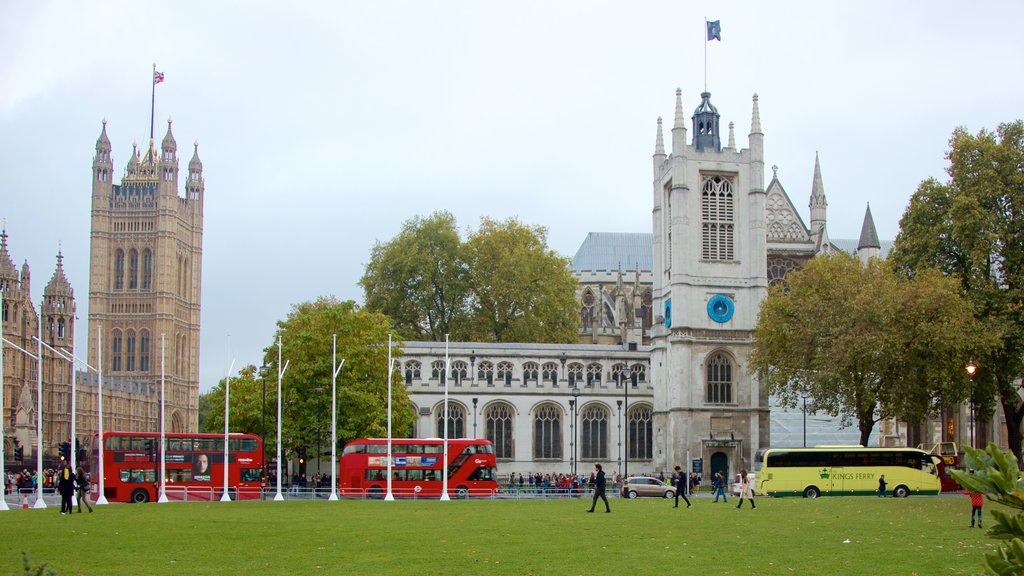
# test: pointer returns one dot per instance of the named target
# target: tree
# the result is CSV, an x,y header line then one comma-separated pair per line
x,y
246,411
863,343
521,291
972,229
419,279
501,285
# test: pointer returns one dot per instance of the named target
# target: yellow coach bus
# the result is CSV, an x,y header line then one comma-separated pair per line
x,y
847,471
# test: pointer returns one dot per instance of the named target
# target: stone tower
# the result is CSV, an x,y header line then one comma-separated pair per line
x,y
144,284
709,276
58,318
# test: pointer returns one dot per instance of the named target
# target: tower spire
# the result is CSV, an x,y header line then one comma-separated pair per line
x,y
659,141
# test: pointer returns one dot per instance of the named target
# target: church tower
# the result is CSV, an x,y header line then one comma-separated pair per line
x,y
710,275
58,317
144,284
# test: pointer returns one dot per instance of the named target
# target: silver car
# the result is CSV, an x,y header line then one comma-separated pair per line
x,y
638,486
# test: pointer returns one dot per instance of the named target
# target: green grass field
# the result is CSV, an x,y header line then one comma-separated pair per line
x,y
917,535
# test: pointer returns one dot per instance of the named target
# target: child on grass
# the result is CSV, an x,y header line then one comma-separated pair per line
x,y
977,499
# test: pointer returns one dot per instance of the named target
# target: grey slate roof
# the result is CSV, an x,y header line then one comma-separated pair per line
x,y
614,250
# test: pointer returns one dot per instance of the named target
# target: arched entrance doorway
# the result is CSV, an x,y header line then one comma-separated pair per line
x,y
720,463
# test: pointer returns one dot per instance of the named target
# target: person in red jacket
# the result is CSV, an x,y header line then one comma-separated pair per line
x,y
977,499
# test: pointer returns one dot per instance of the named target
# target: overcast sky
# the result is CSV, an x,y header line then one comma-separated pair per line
x,y
323,127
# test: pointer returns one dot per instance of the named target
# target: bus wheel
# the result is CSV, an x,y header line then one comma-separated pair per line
x,y
375,493
901,491
812,492
462,492
139,496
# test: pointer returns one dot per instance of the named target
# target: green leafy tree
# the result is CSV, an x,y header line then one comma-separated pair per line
x,y
420,279
971,228
521,290
501,285
246,412
996,474
863,343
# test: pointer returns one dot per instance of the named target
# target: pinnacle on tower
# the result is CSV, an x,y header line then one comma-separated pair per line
x,y
732,136
755,120
680,119
659,141
169,145
868,236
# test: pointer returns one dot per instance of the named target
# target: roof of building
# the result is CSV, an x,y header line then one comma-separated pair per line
x,y
624,251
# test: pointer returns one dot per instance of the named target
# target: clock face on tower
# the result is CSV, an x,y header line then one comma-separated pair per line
x,y
720,308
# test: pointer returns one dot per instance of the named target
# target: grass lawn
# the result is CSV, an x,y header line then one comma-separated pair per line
x,y
917,535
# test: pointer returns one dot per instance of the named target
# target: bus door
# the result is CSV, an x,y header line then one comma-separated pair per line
x,y
836,484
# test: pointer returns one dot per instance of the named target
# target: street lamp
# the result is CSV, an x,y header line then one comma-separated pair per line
x,y
626,376
475,400
619,403
971,368
804,397
263,429
572,442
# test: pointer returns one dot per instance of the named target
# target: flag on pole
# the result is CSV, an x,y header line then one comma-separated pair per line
x,y
158,77
714,32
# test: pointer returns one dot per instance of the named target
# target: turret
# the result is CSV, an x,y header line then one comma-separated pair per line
x,y
705,125
59,306
868,246
194,186
818,204
169,158
101,162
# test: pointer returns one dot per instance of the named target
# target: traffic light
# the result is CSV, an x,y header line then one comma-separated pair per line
x,y
149,449
65,451
301,453
19,453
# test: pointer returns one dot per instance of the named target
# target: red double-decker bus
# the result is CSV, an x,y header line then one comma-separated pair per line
x,y
417,467
194,465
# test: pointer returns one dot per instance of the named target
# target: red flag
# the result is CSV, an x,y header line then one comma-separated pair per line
x,y
158,77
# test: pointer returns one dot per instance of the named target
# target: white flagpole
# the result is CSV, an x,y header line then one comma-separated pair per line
x,y
163,441
74,409
389,496
280,374
39,414
334,419
444,463
102,498
227,395
3,456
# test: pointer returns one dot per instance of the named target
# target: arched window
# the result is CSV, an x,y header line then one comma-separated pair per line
x,y
133,269
719,376
594,433
115,351
717,218
575,374
147,269
550,373
129,351
547,432
456,420
144,351
459,372
119,270
594,374
638,373
640,431
412,371
485,372
498,420
437,371
60,328
617,374
530,372
505,373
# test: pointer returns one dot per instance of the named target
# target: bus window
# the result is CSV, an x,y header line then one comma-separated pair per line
x,y
179,475
251,474
482,473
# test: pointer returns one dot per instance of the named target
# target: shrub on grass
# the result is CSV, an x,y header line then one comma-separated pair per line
x,y
996,474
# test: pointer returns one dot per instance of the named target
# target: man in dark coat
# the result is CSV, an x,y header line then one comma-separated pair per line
x,y
599,486
66,487
681,485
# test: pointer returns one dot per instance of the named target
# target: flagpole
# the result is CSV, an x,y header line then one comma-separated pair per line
x,y
444,462
227,395
152,103
102,498
3,455
163,442
705,56
389,496
39,416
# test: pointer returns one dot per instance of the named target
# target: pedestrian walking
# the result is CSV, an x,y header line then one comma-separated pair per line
x,y
681,484
66,487
881,486
746,490
82,483
718,486
599,486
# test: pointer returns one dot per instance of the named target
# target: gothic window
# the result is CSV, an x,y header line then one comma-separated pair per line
x,y
638,373
144,351
459,372
719,379
456,421
498,420
717,218
550,373
115,349
505,373
779,267
575,374
49,328
60,328
412,371
133,269
594,433
617,374
437,371
119,270
147,269
640,432
587,310
129,351
530,372
547,432
5,312
485,372
594,374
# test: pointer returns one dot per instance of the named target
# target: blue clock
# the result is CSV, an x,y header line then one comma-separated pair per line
x,y
668,313
720,308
